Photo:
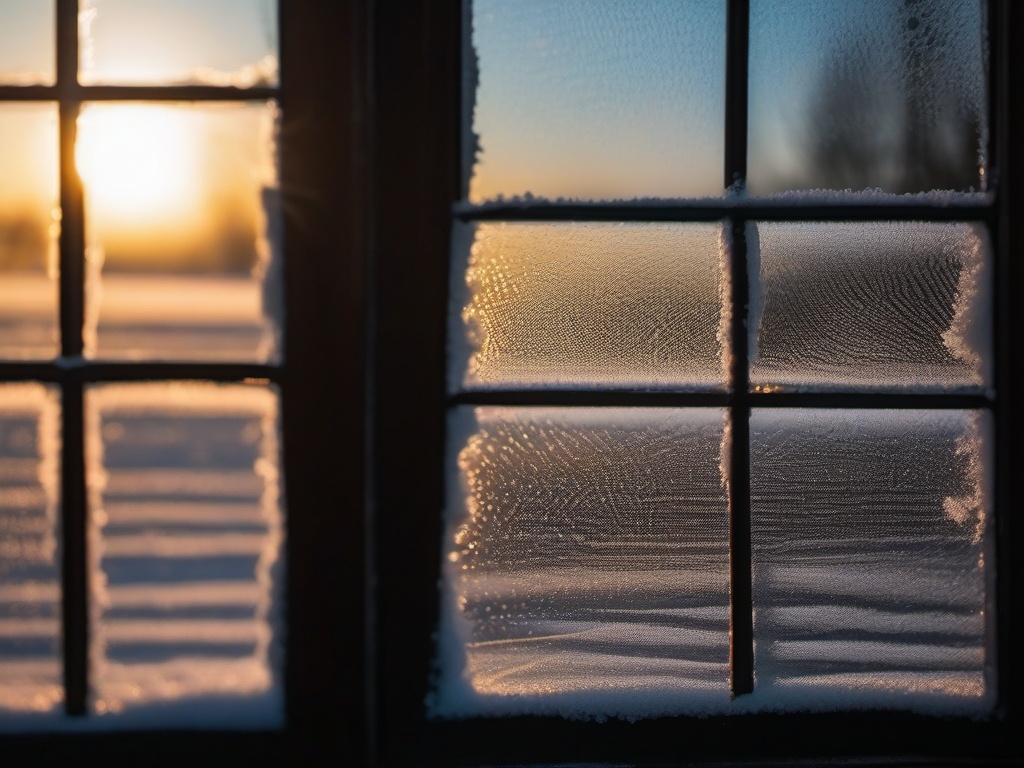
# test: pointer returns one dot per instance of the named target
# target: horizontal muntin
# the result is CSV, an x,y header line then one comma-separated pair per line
x,y
65,369
972,207
664,399
136,93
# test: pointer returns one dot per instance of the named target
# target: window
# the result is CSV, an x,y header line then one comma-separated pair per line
x,y
156,582
526,386
221,413
589,548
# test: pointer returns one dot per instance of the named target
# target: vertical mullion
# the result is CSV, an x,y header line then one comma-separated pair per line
x,y
74,570
1005,116
736,43
326,158
742,635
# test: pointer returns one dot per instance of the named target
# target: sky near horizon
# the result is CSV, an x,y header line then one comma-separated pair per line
x,y
595,100
147,168
132,41
580,99
604,100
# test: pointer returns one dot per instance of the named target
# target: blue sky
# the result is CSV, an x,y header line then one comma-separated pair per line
x,y
599,98
607,99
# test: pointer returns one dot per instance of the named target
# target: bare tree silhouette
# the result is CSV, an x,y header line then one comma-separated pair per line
x,y
906,125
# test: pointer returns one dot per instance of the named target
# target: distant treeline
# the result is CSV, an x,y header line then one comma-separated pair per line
x,y
25,242
912,125
227,245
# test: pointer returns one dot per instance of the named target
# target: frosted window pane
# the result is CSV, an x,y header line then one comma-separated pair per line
x,y
169,42
182,219
877,94
186,530
590,305
587,563
28,230
596,99
870,541
30,633
870,306
28,35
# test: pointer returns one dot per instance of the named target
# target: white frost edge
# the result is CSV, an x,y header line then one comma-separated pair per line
x,y
461,348
755,296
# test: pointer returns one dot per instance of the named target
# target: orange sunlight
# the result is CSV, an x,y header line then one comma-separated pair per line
x,y
139,164
175,186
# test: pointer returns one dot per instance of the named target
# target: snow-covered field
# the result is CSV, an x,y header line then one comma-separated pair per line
x,y
185,538
143,317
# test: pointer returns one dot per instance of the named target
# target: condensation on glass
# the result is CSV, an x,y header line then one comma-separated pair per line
x,y
28,54
31,674
595,99
183,231
871,543
178,42
869,305
185,547
586,563
29,230
875,96
589,305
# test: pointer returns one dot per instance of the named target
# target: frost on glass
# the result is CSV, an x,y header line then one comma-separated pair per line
x,y
30,632
595,99
29,229
178,42
889,306
184,233
589,305
880,95
586,563
185,544
871,544
27,37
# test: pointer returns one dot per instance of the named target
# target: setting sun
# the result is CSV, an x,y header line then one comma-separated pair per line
x,y
137,161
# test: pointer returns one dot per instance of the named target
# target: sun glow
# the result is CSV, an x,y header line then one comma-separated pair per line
x,y
138,163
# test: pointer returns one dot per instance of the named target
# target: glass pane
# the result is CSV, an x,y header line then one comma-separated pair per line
x,y
182,220
186,532
587,563
31,674
29,229
870,306
871,544
878,95
171,42
28,33
590,305
596,99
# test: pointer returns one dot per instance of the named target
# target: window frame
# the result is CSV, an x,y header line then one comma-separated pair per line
x,y
323,174
411,263
371,118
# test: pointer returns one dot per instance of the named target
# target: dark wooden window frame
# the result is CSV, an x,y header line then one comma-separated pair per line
x,y
324,174
370,156
419,121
